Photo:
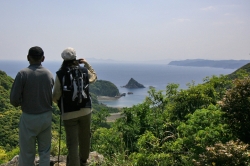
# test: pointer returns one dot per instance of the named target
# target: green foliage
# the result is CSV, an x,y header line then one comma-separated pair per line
x,y
5,86
244,71
5,81
172,128
199,96
151,159
104,88
117,159
99,119
132,124
9,115
9,121
3,155
55,144
148,143
108,142
203,128
196,97
236,105
220,85
160,110
12,153
230,153
7,156
150,152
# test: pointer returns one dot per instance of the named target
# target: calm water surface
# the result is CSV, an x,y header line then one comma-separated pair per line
x,y
157,75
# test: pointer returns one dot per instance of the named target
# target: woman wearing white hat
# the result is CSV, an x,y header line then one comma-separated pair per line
x,y
76,117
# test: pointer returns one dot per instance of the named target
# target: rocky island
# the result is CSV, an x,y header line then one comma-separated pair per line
x,y
132,84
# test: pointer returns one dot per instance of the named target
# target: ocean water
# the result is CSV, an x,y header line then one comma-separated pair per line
x,y
156,75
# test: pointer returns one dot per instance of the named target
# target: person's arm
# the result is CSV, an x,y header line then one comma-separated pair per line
x,y
16,91
57,91
91,71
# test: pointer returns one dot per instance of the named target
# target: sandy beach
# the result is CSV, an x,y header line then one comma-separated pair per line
x,y
114,116
106,98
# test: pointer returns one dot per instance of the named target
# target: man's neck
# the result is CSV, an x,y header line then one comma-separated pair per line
x,y
35,63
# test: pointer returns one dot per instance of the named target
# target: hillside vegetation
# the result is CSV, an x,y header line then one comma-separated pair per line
x,y
9,115
241,72
104,88
205,124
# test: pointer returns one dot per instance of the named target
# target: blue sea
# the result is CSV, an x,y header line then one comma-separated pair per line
x,y
156,75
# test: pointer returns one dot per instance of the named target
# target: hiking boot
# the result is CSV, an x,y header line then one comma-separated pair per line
x,y
83,163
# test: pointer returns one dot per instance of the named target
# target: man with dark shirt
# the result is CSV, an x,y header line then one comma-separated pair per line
x,y
32,90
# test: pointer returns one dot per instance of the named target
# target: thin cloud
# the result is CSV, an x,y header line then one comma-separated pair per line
x,y
209,8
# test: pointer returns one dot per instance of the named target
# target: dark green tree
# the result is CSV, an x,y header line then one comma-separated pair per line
x,y
99,119
199,96
104,88
236,105
203,128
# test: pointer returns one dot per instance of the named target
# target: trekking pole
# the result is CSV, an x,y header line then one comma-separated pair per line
x,y
60,127
60,130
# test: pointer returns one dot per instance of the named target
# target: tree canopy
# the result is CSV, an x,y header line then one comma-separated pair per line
x,y
104,88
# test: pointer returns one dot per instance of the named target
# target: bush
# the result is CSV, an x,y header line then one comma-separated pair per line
x,y
236,105
231,153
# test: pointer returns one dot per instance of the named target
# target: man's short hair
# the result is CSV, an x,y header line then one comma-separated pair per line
x,y
36,52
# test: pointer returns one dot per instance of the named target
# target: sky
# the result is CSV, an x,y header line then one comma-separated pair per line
x,y
127,30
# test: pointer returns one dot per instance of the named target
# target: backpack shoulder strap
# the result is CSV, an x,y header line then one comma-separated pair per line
x,y
65,78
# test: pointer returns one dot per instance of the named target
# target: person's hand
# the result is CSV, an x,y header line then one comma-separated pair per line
x,y
81,60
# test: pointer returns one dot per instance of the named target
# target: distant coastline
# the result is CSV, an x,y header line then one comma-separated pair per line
x,y
226,64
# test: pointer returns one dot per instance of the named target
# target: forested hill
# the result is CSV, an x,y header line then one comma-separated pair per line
x,y
9,115
245,69
104,88
226,64
5,86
